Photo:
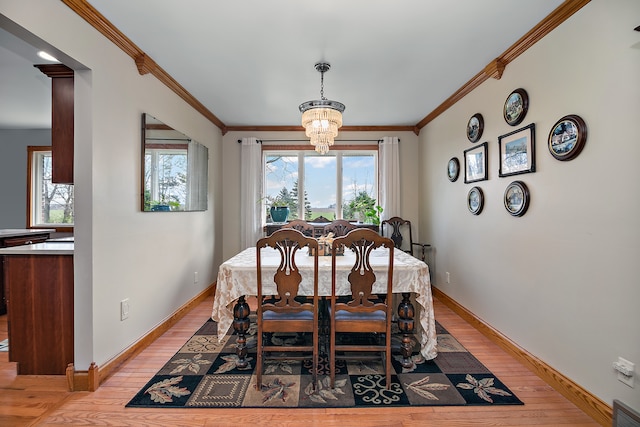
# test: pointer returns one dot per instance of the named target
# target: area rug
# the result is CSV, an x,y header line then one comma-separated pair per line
x,y
203,374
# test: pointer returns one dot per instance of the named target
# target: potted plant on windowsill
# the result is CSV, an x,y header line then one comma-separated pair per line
x,y
279,209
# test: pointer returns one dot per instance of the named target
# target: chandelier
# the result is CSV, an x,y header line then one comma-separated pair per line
x,y
322,118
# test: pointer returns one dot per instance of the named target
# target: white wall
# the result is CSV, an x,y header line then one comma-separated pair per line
x,y
122,252
13,172
562,280
231,171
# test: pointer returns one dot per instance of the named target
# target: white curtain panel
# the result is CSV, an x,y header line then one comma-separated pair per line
x,y
197,176
250,192
389,176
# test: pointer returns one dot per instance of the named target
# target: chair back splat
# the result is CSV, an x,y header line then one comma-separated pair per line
x,y
302,226
363,310
399,226
339,227
286,311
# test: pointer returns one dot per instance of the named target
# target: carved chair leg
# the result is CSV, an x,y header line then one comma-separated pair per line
x,y
241,323
406,314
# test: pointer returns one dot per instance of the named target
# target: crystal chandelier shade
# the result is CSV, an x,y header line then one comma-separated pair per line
x,y
322,118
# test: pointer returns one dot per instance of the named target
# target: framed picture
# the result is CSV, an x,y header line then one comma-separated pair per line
x,y
515,107
475,126
475,163
517,151
475,200
453,169
516,198
567,137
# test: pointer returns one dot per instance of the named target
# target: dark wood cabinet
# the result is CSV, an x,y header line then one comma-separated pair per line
x,y
62,117
17,238
40,312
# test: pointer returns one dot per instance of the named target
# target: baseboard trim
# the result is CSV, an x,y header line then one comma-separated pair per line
x,y
82,380
92,379
583,399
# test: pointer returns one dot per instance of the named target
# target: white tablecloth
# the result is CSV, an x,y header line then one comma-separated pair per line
x,y
237,277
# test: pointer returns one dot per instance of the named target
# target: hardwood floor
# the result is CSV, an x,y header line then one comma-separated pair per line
x,y
44,400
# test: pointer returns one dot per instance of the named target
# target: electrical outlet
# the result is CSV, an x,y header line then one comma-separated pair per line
x,y
195,277
448,276
625,371
124,309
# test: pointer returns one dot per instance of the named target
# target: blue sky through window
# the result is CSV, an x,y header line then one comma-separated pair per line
x,y
358,174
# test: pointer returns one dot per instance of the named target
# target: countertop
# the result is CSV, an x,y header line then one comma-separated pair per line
x,y
46,248
13,232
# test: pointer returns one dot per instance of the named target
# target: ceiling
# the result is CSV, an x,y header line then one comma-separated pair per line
x,y
25,100
251,62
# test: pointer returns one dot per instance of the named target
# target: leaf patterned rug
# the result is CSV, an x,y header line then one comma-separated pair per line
x,y
203,374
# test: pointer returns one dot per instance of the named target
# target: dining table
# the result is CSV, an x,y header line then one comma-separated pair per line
x,y
237,280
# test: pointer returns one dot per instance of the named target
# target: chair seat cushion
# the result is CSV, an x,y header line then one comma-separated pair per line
x,y
372,316
302,315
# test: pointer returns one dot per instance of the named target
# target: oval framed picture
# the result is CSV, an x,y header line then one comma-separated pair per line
x,y
475,126
515,107
453,169
567,137
516,198
475,200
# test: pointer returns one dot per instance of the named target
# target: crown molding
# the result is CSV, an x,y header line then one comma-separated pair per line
x,y
144,63
495,69
497,66
55,70
342,129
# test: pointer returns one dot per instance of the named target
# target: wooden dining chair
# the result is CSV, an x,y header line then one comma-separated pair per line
x,y
361,311
339,227
286,311
321,219
302,226
394,227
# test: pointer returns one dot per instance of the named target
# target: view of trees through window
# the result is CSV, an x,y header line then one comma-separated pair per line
x,y
52,203
340,184
165,179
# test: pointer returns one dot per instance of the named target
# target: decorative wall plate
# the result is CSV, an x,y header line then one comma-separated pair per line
x,y
475,126
567,137
453,169
516,198
475,200
516,106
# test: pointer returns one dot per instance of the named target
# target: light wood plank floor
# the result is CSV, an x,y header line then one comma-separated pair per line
x,y
44,400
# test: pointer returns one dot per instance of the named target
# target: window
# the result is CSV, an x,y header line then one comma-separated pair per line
x,y
49,205
339,184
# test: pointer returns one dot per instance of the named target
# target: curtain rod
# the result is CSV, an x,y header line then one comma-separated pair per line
x,y
306,140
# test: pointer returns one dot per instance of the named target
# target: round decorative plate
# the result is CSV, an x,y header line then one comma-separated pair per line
x,y
567,137
516,198
516,106
475,200
453,169
475,126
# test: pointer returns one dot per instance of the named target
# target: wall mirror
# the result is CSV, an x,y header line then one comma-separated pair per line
x,y
174,169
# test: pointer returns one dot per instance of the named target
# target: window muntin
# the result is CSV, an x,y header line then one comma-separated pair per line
x,y
330,186
49,205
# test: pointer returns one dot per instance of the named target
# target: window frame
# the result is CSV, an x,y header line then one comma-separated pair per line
x,y
300,149
32,175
